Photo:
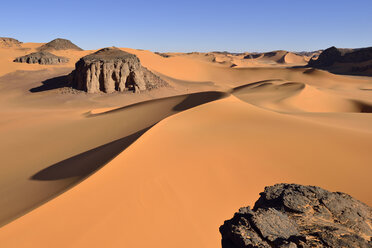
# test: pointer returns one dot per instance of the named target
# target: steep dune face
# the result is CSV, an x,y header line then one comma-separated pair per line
x,y
167,172
291,58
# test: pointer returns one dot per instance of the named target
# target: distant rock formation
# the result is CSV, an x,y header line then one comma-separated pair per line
x,y
59,44
43,58
292,215
6,42
164,55
345,61
111,69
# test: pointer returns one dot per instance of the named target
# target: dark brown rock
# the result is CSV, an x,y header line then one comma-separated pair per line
x,y
345,61
291,215
59,44
43,58
111,69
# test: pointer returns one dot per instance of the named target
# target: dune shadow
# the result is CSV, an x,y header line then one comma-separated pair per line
x,y
192,100
196,99
364,107
353,71
51,84
87,162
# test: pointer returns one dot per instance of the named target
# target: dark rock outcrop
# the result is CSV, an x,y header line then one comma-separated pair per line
x,y
164,55
111,69
345,61
9,42
292,215
59,44
43,58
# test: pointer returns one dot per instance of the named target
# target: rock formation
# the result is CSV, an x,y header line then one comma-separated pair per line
x,y
291,215
9,42
43,58
59,44
111,69
345,61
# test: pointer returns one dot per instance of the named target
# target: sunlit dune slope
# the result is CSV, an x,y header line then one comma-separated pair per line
x,y
189,172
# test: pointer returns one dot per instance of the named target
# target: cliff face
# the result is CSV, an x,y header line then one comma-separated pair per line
x,y
43,58
110,70
291,215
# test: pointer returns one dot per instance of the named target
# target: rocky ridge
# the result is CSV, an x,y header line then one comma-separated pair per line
x,y
111,69
6,42
42,57
59,44
292,215
345,61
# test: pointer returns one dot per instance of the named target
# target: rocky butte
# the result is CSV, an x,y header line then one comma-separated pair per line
x,y
292,215
59,44
43,58
111,69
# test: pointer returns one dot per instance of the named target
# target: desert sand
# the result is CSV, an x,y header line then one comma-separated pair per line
x,y
165,168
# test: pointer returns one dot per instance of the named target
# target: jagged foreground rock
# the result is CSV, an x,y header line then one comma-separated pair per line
x,y
59,44
291,215
111,69
9,42
43,58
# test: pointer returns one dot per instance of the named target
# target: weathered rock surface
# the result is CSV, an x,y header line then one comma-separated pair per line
x,y
43,58
292,215
345,61
59,44
111,69
9,42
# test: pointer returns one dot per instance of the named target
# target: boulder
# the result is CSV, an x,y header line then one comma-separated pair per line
x,y
59,44
111,69
292,215
43,58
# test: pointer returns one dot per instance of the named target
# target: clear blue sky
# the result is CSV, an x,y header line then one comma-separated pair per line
x,y
193,25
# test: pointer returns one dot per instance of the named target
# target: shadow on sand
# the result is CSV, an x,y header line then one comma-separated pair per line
x,y
196,99
51,84
191,100
83,164
87,162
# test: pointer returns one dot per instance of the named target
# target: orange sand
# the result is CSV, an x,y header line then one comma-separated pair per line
x,y
83,170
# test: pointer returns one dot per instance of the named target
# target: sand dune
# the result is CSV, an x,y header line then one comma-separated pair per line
x,y
296,97
165,168
149,188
